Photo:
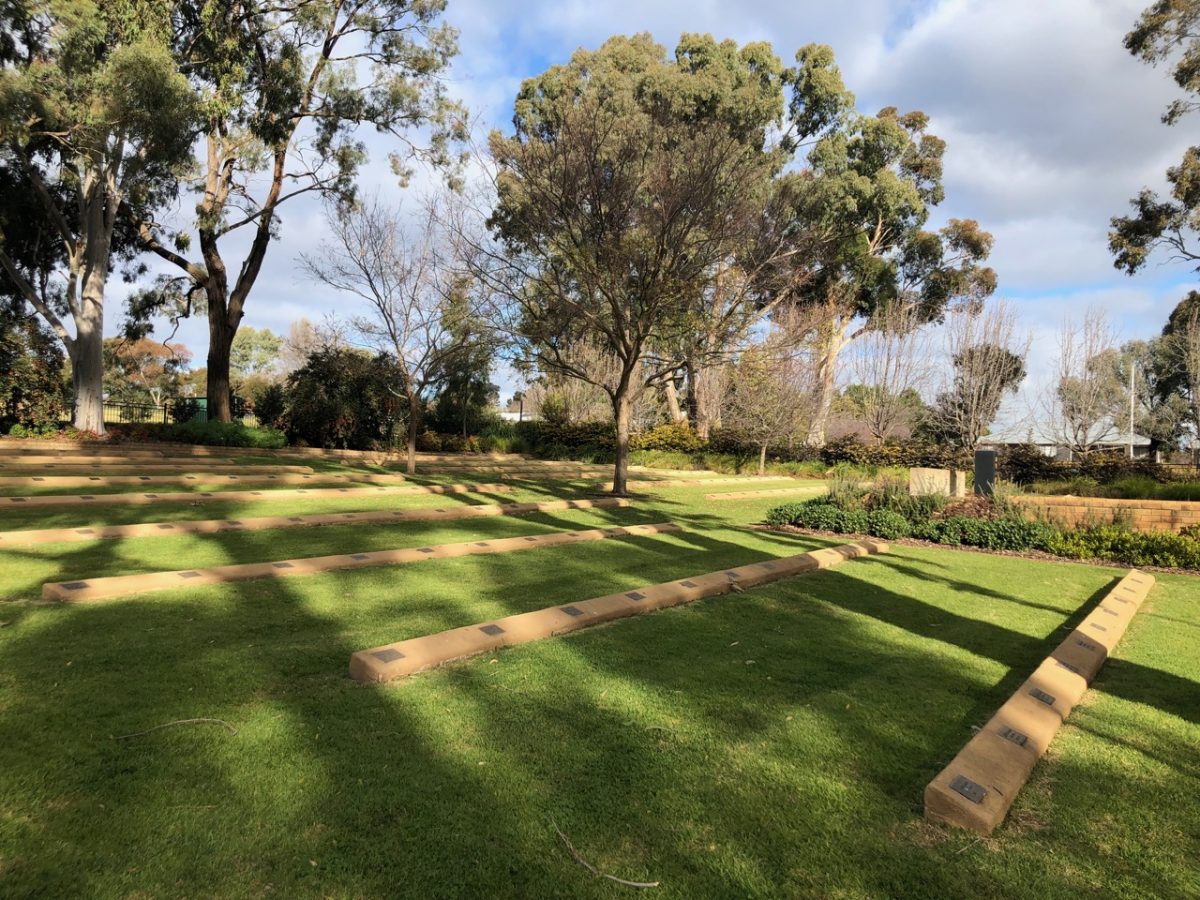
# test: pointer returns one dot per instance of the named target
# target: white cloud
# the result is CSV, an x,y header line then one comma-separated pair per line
x,y
1051,125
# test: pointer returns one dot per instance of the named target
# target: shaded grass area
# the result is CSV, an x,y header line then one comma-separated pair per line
x,y
773,743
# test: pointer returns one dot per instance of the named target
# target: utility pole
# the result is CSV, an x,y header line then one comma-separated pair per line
x,y
1132,378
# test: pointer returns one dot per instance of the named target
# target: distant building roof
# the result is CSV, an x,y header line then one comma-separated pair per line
x,y
1102,435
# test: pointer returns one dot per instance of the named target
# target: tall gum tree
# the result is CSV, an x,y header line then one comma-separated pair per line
x,y
867,189
93,114
632,186
285,88
1167,32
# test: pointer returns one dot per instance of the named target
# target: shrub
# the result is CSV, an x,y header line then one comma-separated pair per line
x,y
846,493
224,434
989,534
886,524
1134,548
344,399
270,404
676,437
561,440
820,516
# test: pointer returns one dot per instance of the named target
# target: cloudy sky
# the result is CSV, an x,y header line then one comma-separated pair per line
x,y
1051,127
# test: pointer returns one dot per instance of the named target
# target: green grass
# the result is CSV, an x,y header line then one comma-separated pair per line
x,y
772,744
1131,488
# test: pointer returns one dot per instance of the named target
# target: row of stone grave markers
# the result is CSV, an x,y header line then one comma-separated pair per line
x,y
977,788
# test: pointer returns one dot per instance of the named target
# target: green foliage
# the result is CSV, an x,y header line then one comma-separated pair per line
x,y
1134,548
1134,487
846,491
561,440
255,351
886,524
340,398
1165,32
819,515
33,383
224,434
989,534
270,405
671,438
1025,464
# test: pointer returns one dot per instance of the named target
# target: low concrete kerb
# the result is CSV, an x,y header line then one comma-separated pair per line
x,y
402,658
206,478
260,523
245,496
977,788
124,585
751,495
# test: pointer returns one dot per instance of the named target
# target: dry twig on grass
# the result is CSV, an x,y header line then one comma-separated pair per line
x,y
587,865
221,722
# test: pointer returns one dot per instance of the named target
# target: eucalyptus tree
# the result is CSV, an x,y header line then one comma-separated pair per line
x,y
1148,371
94,114
631,187
1167,32
861,203
1181,336
285,89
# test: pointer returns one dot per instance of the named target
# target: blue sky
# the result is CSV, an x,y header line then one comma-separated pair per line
x,y
1051,127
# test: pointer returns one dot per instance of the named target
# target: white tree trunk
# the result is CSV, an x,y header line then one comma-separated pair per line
x,y
826,384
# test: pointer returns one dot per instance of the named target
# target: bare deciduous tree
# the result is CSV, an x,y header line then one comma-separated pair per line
x,y
988,361
892,361
768,393
414,291
1082,400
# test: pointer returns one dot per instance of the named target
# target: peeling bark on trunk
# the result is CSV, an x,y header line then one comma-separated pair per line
x,y
762,459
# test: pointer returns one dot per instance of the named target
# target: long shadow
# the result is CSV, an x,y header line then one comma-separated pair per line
x,y
1128,680
655,743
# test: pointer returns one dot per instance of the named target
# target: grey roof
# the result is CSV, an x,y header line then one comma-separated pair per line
x,y
1103,435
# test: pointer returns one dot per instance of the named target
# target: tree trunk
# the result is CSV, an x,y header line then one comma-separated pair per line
x,y
87,356
826,376
220,342
672,396
87,371
762,459
624,413
691,410
414,422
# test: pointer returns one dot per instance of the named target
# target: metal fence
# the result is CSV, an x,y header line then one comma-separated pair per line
x,y
168,412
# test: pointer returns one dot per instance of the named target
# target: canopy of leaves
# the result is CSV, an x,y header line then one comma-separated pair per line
x,y
1168,31
629,176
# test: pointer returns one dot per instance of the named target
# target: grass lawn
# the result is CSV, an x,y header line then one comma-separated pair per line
x,y
774,743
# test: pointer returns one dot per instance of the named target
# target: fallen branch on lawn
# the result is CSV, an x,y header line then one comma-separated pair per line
x,y
587,865
221,722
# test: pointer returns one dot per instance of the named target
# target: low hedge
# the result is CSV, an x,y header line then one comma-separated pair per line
x,y
820,516
224,434
1104,542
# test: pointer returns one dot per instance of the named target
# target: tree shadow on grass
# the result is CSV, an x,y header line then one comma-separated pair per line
x,y
661,745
